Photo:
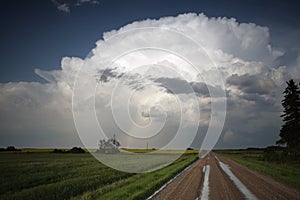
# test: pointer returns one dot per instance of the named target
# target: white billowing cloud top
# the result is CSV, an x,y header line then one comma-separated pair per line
x,y
155,86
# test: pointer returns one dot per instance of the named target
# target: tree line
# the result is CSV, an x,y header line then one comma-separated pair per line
x,y
290,129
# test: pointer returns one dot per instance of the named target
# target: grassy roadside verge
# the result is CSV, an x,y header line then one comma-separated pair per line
x,y
288,173
140,186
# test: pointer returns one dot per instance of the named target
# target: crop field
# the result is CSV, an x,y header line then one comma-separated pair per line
x,y
161,151
286,172
44,175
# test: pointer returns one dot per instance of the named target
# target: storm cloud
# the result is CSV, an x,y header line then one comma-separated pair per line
x,y
32,112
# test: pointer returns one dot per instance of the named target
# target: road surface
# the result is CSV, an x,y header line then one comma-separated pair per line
x,y
215,177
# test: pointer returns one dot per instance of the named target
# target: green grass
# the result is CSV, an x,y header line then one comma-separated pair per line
x,y
288,173
161,151
63,176
140,186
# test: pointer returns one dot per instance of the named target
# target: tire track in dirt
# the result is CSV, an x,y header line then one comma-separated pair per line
x,y
261,186
220,185
187,186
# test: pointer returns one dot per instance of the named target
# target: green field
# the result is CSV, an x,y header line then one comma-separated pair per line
x,y
288,173
44,175
161,151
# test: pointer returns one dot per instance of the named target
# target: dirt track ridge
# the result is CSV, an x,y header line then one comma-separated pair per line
x,y
189,184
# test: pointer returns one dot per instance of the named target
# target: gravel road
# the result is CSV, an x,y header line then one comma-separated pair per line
x,y
226,180
186,186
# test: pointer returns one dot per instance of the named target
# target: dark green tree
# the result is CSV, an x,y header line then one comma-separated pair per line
x,y
109,146
290,130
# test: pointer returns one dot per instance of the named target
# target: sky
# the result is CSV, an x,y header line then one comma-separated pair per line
x,y
45,45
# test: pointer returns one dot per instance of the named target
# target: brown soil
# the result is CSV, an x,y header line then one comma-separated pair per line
x,y
189,184
186,186
220,185
261,186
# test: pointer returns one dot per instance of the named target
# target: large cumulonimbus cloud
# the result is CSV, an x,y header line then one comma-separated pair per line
x,y
40,114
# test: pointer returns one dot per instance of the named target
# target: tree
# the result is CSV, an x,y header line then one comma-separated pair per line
x,y
109,146
10,148
290,130
77,150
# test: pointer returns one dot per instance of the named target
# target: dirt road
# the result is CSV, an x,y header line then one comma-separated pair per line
x,y
186,186
261,186
223,178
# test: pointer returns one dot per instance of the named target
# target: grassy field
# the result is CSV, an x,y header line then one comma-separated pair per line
x,y
44,175
288,173
161,151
